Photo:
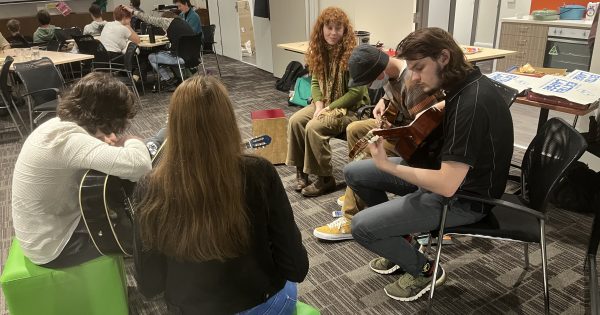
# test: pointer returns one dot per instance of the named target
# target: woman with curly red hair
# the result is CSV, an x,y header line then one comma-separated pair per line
x,y
333,102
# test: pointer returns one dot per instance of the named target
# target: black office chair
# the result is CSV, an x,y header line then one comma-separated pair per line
x,y
521,218
208,45
87,44
42,94
7,98
19,42
53,45
188,49
126,69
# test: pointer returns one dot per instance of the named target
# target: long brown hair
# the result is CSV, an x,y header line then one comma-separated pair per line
x,y
193,208
429,42
317,56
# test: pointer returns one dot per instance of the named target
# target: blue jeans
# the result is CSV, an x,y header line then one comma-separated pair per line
x,y
381,227
282,303
164,58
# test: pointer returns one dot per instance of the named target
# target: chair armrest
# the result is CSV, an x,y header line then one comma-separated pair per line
x,y
111,64
361,111
499,202
113,69
57,91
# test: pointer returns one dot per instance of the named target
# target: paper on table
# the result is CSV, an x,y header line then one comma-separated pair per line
x,y
518,82
574,91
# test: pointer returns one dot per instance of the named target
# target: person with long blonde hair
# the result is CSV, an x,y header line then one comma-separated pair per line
x,y
214,228
333,103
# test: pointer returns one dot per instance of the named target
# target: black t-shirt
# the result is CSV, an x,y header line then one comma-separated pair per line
x,y
478,131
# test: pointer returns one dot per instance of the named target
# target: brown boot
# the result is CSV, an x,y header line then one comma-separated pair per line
x,y
301,179
324,185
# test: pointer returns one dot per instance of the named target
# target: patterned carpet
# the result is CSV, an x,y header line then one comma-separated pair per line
x,y
485,277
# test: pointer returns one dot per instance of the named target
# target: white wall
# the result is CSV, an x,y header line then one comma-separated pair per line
x,y
486,23
262,38
286,28
463,21
438,14
389,21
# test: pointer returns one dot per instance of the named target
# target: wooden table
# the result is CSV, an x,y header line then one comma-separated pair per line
x,y
160,40
58,58
545,109
484,54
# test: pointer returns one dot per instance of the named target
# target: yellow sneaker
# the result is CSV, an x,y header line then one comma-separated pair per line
x,y
340,201
335,231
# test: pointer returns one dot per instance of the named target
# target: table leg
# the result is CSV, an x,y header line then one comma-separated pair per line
x,y
543,118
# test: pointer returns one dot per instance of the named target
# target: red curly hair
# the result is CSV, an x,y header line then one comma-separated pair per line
x,y
317,56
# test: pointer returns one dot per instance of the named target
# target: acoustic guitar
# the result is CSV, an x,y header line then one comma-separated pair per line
x,y
107,208
407,139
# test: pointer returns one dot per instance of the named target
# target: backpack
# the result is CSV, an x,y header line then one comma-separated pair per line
x,y
293,71
301,94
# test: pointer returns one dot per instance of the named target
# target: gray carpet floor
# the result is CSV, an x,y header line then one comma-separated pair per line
x,y
484,276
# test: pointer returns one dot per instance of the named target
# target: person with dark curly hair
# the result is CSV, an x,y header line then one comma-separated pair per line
x,y
48,171
333,106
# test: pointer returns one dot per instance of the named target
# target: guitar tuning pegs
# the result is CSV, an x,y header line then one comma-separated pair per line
x,y
100,233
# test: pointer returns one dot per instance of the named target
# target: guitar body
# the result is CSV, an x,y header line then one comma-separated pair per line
x,y
107,212
408,139
107,208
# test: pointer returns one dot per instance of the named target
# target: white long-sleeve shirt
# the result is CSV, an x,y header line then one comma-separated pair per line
x,y
45,187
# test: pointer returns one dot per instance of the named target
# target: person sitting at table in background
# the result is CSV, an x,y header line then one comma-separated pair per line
x,y
15,39
4,44
334,103
227,243
174,27
189,14
135,21
116,35
45,32
94,28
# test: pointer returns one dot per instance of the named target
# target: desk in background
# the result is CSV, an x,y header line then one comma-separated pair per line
x,y
483,55
58,58
545,109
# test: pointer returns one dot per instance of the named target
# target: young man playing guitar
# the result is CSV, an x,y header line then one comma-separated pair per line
x,y
45,203
371,66
475,157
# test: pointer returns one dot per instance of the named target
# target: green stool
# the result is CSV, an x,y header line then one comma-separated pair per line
x,y
97,287
305,309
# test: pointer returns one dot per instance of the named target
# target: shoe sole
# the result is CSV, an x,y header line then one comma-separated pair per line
x,y
385,272
330,237
441,280
325,192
